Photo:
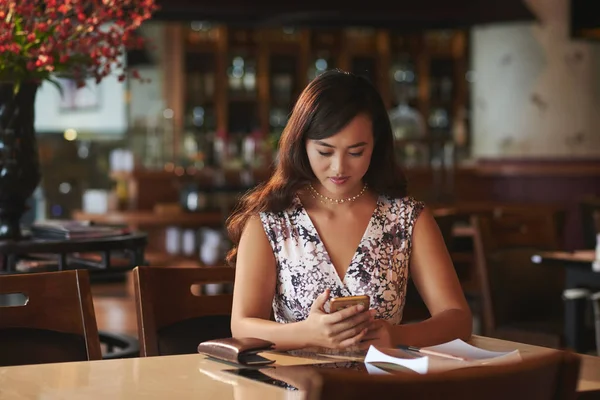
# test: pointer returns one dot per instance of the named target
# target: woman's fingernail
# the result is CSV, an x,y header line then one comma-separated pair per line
x,y
361,307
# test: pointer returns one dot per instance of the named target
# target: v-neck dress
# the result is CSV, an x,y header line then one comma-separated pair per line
x,y
379,267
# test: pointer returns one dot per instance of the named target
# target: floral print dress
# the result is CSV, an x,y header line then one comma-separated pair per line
x,y
379,267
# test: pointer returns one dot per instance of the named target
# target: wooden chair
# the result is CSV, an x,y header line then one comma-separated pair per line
x,y
523,226
172,319
446,218
590,220
521,301
549,377
56,323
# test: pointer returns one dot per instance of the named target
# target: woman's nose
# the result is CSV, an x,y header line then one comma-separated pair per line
x,y
337,165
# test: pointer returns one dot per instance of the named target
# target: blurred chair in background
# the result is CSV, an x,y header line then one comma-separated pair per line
x,y
521,301
590,220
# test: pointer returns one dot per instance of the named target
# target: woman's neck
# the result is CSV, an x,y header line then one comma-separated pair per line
x,y
322,194
312,201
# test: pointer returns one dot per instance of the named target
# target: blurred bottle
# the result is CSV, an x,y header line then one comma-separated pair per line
x,y
596,263
40,204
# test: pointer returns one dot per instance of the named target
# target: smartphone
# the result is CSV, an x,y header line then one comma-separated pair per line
x,y
254,359
339,303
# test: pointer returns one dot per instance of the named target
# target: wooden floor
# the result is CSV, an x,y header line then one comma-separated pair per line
x,y
114,306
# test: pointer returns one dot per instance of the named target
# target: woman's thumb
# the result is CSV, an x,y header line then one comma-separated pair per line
x,y
321,299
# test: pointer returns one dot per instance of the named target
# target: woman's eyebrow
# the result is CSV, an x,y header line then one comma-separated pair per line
x,y
353,146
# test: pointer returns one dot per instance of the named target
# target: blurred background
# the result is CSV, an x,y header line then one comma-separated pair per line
x,y
495,109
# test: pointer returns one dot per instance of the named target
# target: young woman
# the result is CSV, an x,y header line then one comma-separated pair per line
x,y
335,220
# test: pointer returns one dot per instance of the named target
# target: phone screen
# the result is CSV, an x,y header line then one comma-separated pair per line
x,y
340,303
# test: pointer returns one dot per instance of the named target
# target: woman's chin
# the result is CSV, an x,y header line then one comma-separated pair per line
x,y
341,190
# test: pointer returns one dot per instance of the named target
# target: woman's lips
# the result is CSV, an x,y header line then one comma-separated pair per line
x,y
339,181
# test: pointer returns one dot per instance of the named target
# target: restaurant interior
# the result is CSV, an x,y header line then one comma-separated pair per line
x,y
120,262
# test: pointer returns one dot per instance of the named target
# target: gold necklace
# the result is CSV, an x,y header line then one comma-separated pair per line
x,y
336,201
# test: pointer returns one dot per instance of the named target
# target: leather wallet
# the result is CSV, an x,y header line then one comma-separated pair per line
x,y
243,351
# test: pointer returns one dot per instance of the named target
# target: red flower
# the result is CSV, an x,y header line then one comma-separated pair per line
x,y
42,27
45,37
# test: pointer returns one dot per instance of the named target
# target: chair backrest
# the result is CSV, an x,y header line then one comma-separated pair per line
x,y
446,218
549,377
512,287
522,226
56,323
173,315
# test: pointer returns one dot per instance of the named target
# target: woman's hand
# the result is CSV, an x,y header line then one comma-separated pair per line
x,y
338,330
379,334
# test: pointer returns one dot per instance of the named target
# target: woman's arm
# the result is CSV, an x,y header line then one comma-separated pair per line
x,y
255,280
435,278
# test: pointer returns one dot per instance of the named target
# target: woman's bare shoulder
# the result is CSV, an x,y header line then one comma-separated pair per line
x,y
254,225
254,243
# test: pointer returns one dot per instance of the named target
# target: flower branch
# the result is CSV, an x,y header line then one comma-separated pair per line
x,y
72,37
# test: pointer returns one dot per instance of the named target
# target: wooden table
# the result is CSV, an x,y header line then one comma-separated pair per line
x,y
189,376
63,252
578,274
581,257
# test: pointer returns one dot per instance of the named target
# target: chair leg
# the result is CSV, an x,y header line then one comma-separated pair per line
x,y
576,301
595,298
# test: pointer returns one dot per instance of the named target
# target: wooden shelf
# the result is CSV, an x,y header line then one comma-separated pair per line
x,y
204,173
566,169
173,260
141,174
149,218
343,44
243,97
169,260
201,47
463,231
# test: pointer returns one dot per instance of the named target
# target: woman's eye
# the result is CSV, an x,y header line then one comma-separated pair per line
x,y
325,154
357,154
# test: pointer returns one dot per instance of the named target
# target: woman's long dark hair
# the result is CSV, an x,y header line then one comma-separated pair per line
x,y
325,107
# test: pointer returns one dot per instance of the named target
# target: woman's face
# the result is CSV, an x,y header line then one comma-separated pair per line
x,y
340,161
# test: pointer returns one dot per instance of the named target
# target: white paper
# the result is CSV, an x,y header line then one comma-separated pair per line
x,y
474,357
460,348
419,365
373,370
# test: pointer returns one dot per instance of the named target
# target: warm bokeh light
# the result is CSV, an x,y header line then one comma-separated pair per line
x,y
70,134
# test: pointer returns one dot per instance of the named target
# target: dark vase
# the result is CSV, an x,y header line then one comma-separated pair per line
x,y
19,164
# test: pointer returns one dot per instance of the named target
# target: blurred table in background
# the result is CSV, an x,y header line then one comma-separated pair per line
x,y
578,274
